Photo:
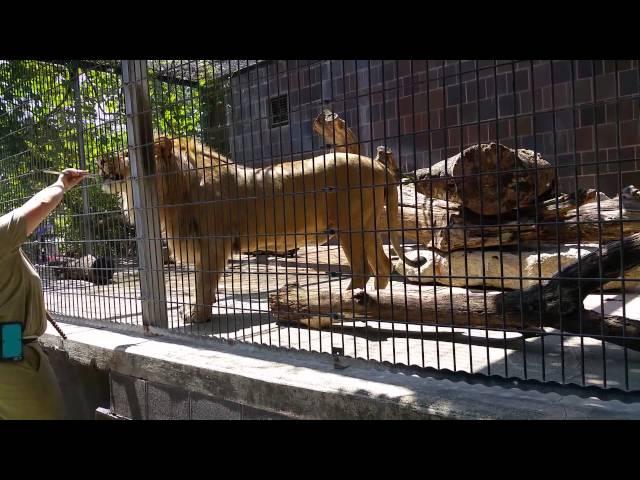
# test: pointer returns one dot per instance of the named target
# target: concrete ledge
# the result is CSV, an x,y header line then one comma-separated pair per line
x,y
306,385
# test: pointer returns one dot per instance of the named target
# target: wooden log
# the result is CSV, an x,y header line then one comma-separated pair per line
x,y
502,270
95,270
568,219
557,304
262,254
488,179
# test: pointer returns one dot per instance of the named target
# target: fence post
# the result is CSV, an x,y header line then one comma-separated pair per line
x,y
87,231
148,233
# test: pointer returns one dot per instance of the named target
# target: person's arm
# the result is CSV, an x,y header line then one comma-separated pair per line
x,y
45,201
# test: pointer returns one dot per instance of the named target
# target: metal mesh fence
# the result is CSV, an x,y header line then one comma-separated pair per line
x,y
466,215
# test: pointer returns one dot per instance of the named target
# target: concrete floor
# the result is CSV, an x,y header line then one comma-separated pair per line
x,y
244,316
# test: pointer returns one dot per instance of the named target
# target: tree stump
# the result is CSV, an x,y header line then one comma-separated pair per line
x,y
488,179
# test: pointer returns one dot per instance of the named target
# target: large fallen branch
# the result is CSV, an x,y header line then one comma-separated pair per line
x,y
488,179
506,269
558,304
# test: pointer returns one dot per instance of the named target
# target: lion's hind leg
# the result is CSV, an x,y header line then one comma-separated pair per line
x,y
378,260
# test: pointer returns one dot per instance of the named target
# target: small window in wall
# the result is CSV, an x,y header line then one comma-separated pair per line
x,y
279,111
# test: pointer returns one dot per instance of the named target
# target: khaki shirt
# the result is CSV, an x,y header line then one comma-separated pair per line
x,y
28,389
21,298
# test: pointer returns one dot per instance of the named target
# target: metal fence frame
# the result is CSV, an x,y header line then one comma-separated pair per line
x,y
139,112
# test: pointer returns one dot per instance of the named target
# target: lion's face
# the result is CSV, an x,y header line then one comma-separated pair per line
x,y
116,174
115,168
115,171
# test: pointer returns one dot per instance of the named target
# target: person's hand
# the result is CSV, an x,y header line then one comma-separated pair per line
x,y
71,177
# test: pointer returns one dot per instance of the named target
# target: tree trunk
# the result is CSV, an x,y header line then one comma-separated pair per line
x,y
558,304
488,179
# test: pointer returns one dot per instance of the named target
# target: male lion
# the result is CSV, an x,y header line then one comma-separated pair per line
x,y
210,207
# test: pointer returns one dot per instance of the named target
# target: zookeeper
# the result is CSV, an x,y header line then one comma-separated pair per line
x,y
28,388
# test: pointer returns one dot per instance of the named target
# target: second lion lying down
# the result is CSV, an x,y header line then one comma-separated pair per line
x,y
210,208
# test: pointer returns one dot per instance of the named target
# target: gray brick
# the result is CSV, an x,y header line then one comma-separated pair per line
x,y
525,102
585,68
453,95
487,109
506,105
522,80
504,83
316,92
472,91
542,75
588,114
606,86
128,396
485,63
561,71
208,408
609,66
335,69
451,76
543,122
349,66
469,113
451,116
564,119
629,82
389,70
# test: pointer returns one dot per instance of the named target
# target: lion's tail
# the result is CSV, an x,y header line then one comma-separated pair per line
x,y
391,195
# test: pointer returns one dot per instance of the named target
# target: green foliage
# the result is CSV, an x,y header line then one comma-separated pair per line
x,y
213,113
39,120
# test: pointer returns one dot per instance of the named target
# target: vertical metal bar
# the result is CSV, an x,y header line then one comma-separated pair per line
x,y
261,156
499,217
464,222
556,175
398,186
519,220
236,193
620,187
87,233
594,105
413,83
140,143
333,97
482,250
431,220
356,126
538,242
316,195
578,227
385,136
445,132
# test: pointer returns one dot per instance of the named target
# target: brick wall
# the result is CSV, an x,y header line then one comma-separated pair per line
x,y
582,115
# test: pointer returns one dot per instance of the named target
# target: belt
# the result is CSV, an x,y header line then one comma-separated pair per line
x,y
26,341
